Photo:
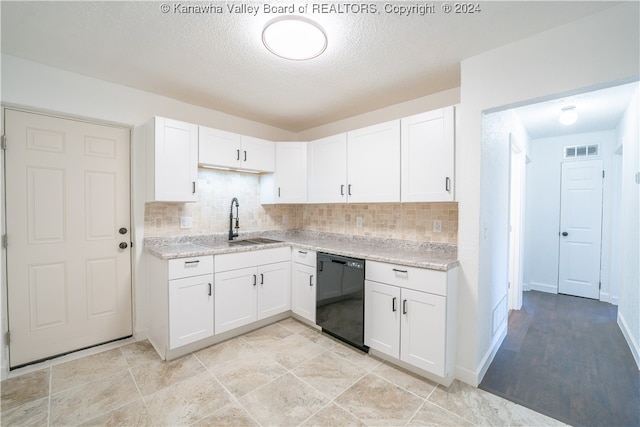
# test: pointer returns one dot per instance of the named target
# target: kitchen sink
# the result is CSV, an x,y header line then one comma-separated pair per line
x,y
254,241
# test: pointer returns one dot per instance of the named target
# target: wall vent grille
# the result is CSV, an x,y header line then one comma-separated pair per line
x,y
577,151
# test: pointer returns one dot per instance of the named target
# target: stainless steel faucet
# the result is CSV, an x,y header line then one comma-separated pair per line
x,y
237,226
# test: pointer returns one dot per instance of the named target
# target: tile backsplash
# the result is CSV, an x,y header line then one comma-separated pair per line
x,y
210,214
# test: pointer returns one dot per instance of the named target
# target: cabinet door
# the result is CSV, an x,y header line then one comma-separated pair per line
x,y
423,330
291,172
235,298
175,161
382,318
257,154
327,170
190,310
303,291
219,148
274,289
373,156
428,156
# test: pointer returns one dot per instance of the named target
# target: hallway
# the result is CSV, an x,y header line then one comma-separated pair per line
x,y
565,357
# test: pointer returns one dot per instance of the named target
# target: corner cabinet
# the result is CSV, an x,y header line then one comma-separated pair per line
x,y
172,160
289,183
410,316
181,298
428,151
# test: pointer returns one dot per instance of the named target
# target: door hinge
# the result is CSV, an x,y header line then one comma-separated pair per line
x,y
599,285
603,174
5,241
3,142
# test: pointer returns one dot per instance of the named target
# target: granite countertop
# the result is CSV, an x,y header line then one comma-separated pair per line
x,y
434,256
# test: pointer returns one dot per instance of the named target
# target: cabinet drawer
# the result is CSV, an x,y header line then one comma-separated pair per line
x,y
419,279
303,256
188,267
226,262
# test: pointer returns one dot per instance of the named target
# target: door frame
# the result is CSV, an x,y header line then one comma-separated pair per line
x,y
517,194
133,215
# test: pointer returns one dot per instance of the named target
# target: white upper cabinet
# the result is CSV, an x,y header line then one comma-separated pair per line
x,y
219,148
289,183
362,166
172,160
327,170
428,156
373,171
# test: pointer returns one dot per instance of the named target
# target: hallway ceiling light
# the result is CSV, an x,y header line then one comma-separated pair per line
x,y
568,115
294,37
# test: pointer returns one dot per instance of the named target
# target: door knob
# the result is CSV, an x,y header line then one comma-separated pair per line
x,y
565,234
122,231
123,245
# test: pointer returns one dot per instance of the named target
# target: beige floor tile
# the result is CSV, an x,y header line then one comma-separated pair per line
x,y
139,352
323,340
356,356
476,405
405,379
329,373
244,374
225,352
266,335
432,415
526,417
82,403
187,401
133,414
24,389
332,416
286,401
156,375
232,415
77,372
293,325
375,401
34,413
292,351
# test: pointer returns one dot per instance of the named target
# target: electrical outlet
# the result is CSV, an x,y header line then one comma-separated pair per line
x,y
358,222
437,226
186,222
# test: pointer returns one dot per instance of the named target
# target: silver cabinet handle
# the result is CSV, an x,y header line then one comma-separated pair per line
x,y
238,153
404,306
302,252
349,190
209,289
447,184
393,304
187,263
311,280
261,279
400,271
255,278
342,190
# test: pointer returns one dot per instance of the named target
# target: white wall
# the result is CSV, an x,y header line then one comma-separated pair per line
x,y
596,51
543,210
629,307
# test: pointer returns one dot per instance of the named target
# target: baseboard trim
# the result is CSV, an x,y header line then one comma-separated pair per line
x,y
542,287
633,345
496,342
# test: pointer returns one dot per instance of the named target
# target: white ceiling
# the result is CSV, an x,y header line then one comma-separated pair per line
x,y
217,60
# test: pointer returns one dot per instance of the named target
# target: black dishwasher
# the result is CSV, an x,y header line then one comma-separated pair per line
x,y
340,298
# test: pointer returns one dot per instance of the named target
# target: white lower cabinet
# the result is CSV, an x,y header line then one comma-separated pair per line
x,y
303,284
406,320
190,309
251,286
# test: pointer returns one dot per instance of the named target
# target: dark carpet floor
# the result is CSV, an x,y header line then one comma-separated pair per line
x,y
566,357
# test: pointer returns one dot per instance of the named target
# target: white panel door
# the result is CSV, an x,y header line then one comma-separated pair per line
x,y
327,170
373,163
235,299
382,318
68,195
580,228
423,330
274,289
190,309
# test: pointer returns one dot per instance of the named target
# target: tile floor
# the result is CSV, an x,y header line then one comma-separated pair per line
x,y
285,374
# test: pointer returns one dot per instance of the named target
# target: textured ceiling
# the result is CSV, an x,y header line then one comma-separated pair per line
x,y
216,60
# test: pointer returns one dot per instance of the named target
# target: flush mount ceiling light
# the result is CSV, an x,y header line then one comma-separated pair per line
x,y
568,115
294,37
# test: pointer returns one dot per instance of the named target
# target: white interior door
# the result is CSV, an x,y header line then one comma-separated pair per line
x,y
580,228
68,210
